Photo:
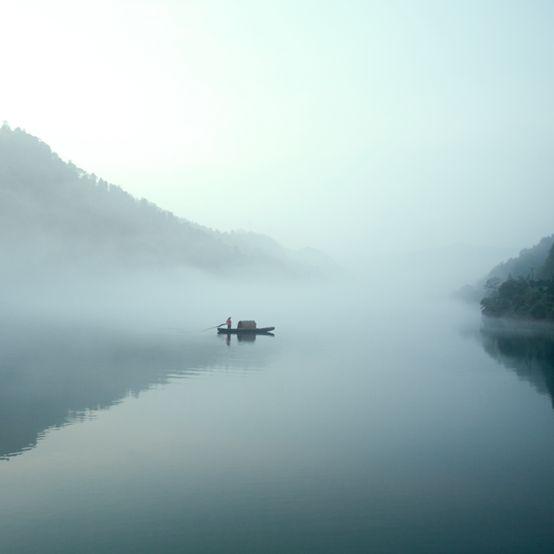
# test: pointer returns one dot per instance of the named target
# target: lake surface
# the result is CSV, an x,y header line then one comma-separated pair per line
x,y
369,425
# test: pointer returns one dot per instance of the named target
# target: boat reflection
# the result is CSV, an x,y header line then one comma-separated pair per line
x,y
245,337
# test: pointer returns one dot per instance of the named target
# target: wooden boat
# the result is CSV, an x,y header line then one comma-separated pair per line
x,y
245,331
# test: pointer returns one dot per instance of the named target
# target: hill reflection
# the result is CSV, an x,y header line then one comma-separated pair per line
x,y
53,375
528,351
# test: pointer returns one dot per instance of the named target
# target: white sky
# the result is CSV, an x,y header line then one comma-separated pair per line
x,y
352,126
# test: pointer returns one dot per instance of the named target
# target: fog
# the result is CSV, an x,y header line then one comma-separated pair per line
x,y
357,129
356,175
371,389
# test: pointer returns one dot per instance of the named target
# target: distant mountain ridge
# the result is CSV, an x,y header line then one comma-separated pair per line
x,y
52,212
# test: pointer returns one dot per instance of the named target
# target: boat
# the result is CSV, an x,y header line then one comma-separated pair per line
x,y
246,331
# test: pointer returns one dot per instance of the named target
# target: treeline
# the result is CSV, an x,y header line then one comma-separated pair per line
x,y
53,214
523,297
529,263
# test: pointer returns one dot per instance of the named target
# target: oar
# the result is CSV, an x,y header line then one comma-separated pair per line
x,y
214,327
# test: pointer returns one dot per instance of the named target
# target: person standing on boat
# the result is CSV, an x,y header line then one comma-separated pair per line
x,y
229,322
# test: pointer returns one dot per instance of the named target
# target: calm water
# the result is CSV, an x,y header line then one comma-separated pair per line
x,y
358,429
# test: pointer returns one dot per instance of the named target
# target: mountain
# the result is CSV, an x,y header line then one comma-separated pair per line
x,y
523,287
526,264
53,214
255,244
547,269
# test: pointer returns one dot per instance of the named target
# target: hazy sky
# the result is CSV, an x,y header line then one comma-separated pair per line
x,y
347,125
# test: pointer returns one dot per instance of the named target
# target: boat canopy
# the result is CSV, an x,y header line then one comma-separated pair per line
x,y
246,324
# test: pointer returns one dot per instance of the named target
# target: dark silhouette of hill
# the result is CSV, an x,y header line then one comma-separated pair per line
x,y
54,214
527,295
519,288
528,263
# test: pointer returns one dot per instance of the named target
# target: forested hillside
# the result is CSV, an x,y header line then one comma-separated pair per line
x,y
53,214
528,291
527,264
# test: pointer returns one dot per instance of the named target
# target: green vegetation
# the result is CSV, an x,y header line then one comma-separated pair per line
x,y
530,297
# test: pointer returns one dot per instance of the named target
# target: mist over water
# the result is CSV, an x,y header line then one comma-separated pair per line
x,y
341,171
378,418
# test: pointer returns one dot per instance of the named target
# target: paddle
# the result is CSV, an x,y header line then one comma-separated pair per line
x,y
214,327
